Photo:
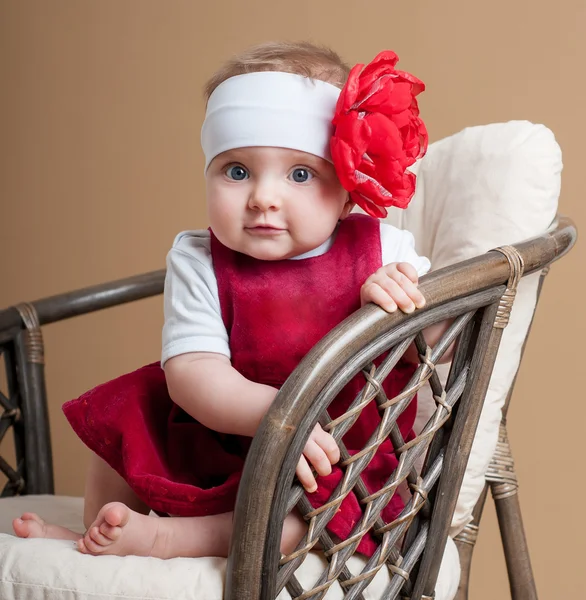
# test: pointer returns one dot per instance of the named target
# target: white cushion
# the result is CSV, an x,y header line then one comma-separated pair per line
x,y
61,572
485,187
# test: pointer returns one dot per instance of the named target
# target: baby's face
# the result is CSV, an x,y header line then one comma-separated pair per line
x,y
273,203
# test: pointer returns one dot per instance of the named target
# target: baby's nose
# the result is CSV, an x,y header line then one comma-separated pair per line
x,y
264,197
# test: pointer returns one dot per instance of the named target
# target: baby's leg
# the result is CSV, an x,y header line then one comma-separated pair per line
x,y
103,485
117,523
121,531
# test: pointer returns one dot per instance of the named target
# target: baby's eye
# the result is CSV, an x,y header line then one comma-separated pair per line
x,y
237,173
301,175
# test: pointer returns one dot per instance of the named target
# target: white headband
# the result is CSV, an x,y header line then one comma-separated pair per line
x,y
270,109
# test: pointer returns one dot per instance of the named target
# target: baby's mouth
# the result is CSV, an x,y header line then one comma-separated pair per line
x,y
265,230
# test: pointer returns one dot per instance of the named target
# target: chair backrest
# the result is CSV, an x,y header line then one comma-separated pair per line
x,y
478,294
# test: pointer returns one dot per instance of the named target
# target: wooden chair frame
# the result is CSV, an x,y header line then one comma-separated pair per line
x,y
477,294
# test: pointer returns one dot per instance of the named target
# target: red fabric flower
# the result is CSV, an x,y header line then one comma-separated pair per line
x,y
378,135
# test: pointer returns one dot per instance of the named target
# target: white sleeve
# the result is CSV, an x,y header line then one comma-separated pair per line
x,y
398,245
193,319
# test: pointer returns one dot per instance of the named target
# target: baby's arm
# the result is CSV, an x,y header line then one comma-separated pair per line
x,y
206,386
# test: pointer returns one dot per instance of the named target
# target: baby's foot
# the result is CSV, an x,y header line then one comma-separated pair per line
x,y
30,525
121,531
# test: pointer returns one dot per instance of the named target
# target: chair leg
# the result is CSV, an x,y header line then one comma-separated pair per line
x,y
504,487
465,542
521,578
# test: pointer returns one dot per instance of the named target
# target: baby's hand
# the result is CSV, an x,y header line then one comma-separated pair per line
x,y
392,286
322,452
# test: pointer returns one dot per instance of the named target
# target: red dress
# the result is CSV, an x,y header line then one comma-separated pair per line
x,y
274,312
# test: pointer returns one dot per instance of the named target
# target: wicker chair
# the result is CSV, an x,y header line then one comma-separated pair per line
x,y
477,294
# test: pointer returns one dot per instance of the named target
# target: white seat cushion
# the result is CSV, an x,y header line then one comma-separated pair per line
x,y
62,573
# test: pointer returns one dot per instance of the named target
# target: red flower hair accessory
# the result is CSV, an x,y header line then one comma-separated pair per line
x,y
378,134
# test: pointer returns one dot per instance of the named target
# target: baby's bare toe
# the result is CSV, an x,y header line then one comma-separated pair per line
x,y
110,531
98,537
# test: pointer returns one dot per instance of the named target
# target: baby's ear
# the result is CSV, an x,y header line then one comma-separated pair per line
x,y
347,208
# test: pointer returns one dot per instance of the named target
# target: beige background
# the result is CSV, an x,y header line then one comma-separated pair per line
x,y
100,109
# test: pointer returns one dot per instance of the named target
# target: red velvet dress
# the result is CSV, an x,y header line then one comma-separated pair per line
x,y
274,312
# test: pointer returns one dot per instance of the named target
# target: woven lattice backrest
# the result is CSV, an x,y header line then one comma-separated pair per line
x,y
399,542
388,535
435,457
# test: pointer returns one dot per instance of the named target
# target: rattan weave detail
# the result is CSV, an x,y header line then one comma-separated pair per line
x,y
468,535
501,471
33,337
516,266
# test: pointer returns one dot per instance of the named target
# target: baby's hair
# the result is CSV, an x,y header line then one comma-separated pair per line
x,y
299,58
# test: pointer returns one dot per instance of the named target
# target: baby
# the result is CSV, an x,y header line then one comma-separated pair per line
x,y
293,141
